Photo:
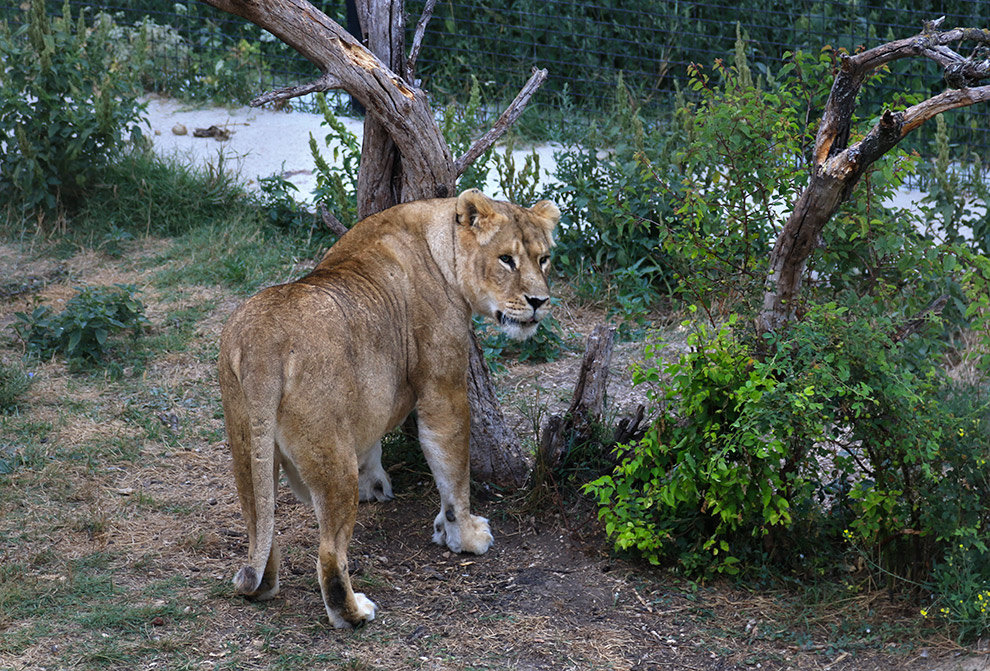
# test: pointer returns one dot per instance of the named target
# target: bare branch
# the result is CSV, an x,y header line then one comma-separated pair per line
x,y
948,100
833,134
509,116
331,222
417,42
327,82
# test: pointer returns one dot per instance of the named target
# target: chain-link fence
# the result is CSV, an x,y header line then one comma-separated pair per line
x,y
585,44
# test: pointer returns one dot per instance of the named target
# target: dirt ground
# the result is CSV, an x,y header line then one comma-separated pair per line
x,y
164,525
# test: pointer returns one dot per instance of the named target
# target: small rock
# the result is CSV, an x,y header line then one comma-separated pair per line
x,y
179,129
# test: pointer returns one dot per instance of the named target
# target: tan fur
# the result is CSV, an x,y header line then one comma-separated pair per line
x,y
314,372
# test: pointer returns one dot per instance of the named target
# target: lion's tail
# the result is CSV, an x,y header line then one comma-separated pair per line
x,y
251,435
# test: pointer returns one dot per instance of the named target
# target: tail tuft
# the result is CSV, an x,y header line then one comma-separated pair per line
x,y
247,580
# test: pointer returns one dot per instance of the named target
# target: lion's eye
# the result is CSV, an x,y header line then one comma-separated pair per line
x,y
508,260
544,260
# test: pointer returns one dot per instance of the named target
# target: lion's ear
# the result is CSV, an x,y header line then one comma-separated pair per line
x,y
548,214
477,211
472,205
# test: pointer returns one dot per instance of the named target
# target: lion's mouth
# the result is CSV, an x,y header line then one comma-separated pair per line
x,y
505,320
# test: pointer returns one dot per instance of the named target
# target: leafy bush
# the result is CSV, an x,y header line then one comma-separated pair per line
x,y
83,329
613,214
688,209
64,109
14,381
739,170
839,434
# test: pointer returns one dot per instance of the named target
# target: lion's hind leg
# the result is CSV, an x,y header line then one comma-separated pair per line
x,y
252,447
335,504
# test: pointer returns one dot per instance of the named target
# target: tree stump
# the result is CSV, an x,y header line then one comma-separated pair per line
x,y
577,425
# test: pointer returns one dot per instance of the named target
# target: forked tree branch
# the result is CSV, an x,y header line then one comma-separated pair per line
x,y
404,111
507,118
837,166
417,42
854,70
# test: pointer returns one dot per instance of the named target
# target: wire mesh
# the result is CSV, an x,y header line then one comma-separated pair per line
x,y
585,45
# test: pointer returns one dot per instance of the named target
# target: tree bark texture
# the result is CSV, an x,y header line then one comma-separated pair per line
x,y
838,166
380,173
497,455
404,155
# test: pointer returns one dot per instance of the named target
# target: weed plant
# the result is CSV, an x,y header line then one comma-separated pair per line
x,y
65,112
83,329
336,180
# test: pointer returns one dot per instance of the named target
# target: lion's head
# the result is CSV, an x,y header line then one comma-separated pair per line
x,y
503,259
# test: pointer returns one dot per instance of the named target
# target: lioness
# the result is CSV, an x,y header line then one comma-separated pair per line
x,y
314,372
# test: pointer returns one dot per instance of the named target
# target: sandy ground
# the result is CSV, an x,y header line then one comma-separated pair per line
x,y
265,142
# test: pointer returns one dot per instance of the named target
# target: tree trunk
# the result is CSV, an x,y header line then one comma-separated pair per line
x,y
497,456
837,167
380,174
404,156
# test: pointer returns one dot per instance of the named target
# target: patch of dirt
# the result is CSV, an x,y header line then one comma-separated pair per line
x,y
549,595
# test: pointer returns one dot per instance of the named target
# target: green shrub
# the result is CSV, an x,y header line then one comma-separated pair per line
x,y
738,171
688,209
14,382
839,434
612,213
82,330
64,110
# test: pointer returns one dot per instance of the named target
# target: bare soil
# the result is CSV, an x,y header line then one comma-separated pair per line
x,y
164,525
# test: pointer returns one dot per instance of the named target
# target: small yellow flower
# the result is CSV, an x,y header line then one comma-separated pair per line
x,y
961,433
924,613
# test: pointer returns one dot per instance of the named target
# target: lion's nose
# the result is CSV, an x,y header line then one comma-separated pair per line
x,y
536,301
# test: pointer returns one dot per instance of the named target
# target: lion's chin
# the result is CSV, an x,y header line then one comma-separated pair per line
x,y
518,330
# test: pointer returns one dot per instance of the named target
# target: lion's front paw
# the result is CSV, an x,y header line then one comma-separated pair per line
x,y
365,608
476,538
468,535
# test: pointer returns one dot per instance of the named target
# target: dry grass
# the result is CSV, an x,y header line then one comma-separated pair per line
x,y
120,529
